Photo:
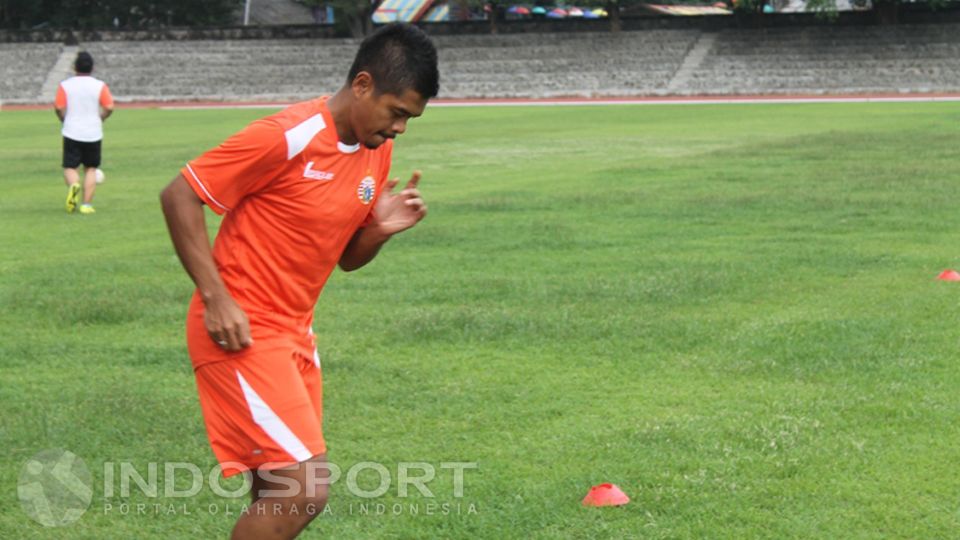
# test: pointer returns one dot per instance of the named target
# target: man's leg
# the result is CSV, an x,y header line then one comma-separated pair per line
x,y
70,177
283,513
72,156
89,183
90,155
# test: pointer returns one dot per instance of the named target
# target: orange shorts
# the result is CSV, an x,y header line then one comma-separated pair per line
x,y
263,406
264,411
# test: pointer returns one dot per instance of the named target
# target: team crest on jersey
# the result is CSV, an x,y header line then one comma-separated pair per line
x,y
366,190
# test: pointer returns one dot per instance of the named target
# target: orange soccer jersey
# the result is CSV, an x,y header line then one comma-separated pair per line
x,y
293,195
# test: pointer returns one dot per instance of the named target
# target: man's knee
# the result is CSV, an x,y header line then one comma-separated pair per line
x,y
314,501
305,485
315,477
305,506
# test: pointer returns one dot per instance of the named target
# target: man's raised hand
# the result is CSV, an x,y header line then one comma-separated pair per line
x,y
397,212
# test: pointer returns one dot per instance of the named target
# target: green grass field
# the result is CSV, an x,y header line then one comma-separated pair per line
x,y
729,311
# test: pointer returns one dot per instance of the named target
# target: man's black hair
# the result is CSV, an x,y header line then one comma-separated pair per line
x,y
399,57
83,63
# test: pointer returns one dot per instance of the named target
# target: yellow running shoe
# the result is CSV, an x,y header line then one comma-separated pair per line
x,y
87,209
73,193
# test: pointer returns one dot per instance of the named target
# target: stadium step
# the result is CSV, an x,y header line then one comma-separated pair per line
x,y
62,69
692,62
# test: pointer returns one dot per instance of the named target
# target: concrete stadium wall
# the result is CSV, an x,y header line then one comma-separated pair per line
x,y
901,59
24,68
682,61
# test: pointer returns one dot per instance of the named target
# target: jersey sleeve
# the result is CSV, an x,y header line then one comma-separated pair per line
x,y
60,101
243,164
106,98
381,180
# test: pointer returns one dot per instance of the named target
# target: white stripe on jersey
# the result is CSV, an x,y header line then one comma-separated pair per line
x,y
299,136
204,188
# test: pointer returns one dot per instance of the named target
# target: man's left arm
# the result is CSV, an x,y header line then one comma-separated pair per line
x,y
394,213
106,103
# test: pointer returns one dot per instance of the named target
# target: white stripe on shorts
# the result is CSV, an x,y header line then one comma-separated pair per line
x,y
264,416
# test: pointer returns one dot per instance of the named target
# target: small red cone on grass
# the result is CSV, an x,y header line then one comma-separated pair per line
x,y
605,495
949,275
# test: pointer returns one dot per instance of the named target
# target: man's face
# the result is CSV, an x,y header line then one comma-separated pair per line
x,y
378,117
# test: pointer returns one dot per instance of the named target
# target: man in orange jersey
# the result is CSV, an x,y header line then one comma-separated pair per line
x,y
303,191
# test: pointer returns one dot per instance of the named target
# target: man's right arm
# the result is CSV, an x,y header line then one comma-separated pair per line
x,y
60,103
226,322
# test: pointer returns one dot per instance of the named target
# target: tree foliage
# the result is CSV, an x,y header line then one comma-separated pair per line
x,y
828,8
24,14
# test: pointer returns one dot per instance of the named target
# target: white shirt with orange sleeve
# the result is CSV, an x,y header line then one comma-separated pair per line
x,y
82,96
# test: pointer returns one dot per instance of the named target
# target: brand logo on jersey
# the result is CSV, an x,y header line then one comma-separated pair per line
x,y
314,174
366,190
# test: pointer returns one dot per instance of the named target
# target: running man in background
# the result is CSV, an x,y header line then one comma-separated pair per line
x,y
303,191
82,104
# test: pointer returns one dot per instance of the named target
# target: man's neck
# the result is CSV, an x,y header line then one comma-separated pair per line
x,y
339,105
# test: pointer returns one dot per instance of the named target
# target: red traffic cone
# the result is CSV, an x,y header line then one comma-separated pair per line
x,y
949,275
605,495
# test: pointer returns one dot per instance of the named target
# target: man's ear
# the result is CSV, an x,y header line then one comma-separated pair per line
x,y
362,85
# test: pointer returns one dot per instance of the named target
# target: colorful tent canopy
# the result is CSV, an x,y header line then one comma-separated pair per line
x,y
437,14
401,10
687,10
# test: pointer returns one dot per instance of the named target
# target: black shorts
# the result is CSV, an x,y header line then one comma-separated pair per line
x,y
76,152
